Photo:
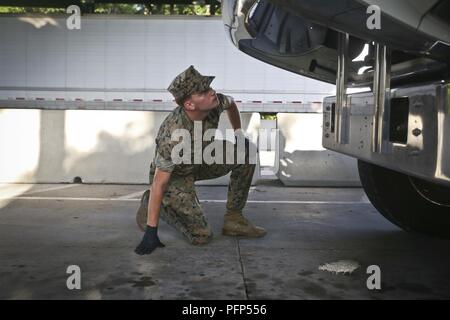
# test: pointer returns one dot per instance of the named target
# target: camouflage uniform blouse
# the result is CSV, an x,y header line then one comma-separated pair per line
x,y
178,119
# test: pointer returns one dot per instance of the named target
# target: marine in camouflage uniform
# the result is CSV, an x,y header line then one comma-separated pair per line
x,y
180,206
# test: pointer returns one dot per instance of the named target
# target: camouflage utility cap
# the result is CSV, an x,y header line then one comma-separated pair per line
x,y
188,82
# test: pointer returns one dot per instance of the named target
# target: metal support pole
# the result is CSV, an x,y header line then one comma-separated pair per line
x,y
382,97
341,127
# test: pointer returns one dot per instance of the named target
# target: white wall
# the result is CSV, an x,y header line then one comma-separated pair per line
x,y
303,161
52,146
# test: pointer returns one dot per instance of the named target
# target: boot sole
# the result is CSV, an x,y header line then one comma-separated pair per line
x,y
141,215
237,234
139,223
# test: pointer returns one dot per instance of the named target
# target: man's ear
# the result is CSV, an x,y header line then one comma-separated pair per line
x,y
188,105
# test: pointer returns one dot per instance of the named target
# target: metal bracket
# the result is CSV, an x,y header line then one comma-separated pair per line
x,y
342,114
382,98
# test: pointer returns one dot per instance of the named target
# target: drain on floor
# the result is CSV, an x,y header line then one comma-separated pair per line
x,y
340,267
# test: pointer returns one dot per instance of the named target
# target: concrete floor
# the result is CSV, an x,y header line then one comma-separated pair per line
x,y
44,231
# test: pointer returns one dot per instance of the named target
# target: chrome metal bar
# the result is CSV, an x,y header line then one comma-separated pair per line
x,y
376,92
341,126
381,92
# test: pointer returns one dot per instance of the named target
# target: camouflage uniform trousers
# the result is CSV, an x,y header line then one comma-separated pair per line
x,y
181,208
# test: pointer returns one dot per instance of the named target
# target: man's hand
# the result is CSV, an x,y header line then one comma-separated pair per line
x,y
149,242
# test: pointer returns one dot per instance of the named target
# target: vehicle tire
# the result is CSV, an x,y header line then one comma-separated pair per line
x,y
412,204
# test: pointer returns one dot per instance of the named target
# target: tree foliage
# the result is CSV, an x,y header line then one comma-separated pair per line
x,y
141,9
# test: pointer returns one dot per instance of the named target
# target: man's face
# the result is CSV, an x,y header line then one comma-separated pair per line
x,y
203,101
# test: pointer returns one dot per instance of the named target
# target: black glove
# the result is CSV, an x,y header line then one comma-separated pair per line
x,y
150,241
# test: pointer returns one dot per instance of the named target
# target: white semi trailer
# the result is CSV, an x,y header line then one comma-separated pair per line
x,y
126,62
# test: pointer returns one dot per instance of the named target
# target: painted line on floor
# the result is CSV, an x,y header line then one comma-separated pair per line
x,y
68,198
205,200
53,188
294,202
132,195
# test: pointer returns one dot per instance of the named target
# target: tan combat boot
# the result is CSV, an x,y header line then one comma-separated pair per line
x,y
141,215
236,225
